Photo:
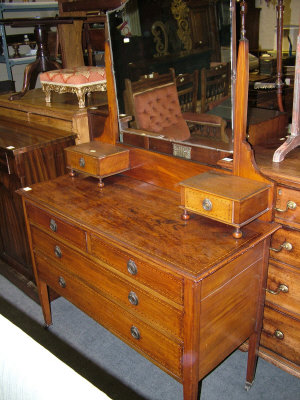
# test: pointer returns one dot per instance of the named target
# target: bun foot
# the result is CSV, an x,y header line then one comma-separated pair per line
x,y
237,234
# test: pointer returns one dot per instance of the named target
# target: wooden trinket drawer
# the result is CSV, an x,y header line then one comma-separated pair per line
x,y
97,159
226,198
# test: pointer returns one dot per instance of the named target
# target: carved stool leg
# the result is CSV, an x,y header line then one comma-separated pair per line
x,y
47,95
81,97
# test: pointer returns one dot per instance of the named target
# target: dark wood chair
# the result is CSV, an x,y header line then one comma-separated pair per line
x,y
187,89
215,85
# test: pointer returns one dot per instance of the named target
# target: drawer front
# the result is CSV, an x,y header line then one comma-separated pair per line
x,y
82,162
283,287
281,334
288,206
150,342
285,246
161,281
132,297
209,205
56,226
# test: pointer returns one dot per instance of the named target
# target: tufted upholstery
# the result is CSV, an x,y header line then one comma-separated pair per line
x,y
74,76
158,110
79,80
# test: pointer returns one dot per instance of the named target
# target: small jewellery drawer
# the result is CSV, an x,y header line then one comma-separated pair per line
x,y
148,306
56,226
150,342
288,206
283,287
285,246
281,334
167,284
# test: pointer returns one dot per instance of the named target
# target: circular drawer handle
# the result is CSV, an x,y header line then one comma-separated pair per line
x,y
135,333
53,225
82,162
278,334
290,205
62,282
57,251
281,288
133,299
285,245
131,267
207,204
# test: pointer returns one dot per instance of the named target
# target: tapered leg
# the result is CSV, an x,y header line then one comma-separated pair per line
x,y
45,302
192,391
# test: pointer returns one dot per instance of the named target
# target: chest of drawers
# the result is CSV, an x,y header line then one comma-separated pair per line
x,y
184,295
280,341
28,154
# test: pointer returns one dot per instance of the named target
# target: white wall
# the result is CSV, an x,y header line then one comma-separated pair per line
x,y
267,22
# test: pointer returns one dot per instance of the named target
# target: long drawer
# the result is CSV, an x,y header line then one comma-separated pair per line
x,y
134,298
281,334
285,246
149,274
288,207
56,226
144,338
283,287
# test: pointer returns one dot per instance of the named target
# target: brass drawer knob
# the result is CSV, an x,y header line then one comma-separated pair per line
x,y
290,205
53,225
57,251
278,334
62,282
133,299
207,205
285,245
82,162
281,288
135,333
131,267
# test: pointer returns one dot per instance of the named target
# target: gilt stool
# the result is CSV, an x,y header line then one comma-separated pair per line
x,y
80,80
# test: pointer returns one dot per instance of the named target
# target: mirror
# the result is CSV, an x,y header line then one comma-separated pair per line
x,y
161,41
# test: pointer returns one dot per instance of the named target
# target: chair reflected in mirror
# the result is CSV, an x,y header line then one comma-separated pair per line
x,y
154,105
215,85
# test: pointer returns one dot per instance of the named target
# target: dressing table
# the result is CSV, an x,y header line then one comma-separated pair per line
x,y
184,294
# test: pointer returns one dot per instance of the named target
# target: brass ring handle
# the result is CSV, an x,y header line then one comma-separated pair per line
x,y
62,282
290,205
278,334
135,333
285,245
131,267
133,298
57,251
53,225
281,288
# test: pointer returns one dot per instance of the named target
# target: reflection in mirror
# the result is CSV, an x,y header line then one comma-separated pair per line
x,y
172,65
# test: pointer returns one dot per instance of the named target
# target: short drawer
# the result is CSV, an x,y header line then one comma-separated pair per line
x,y
148,306
144,338
281,334
283,287
149,274
56,226
285,246
288,206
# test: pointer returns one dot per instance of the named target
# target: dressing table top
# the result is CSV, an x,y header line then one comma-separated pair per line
x,y
146,219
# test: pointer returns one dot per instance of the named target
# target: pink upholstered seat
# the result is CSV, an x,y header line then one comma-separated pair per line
x,y
158,110
79,80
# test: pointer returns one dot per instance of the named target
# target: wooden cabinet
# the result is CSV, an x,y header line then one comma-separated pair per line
x,y
124,256
28,154
280,341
